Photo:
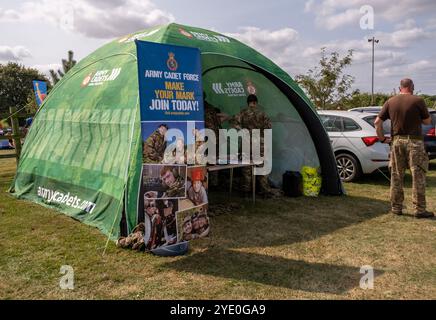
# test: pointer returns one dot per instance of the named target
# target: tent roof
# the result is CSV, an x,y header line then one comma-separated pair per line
x,y
208,42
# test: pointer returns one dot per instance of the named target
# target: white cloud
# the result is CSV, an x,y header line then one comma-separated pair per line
x,y
392,61
278,45
8,14
266,39
16,53
45,68
403,38
97,19
332,14
431,24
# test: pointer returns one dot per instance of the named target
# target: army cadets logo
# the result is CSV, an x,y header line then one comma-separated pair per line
x,y
100,77
172,62
87,79
185,33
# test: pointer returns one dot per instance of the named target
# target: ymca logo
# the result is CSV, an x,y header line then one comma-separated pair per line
x,y
100,77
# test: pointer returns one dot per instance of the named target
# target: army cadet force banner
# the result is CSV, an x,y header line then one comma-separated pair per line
x,y
173,200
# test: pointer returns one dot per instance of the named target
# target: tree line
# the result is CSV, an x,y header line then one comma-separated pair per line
x,y
16,86
327,85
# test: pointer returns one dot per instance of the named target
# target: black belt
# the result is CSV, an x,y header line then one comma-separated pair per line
x,y
409,137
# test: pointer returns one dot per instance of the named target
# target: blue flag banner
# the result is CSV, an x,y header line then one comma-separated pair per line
x,y
40,89
170,86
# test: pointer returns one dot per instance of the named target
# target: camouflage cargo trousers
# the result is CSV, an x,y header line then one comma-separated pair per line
x,y
247,182
408,153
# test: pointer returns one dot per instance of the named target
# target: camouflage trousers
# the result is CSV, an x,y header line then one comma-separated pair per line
x,y
213,179
135,240
408,153
246,182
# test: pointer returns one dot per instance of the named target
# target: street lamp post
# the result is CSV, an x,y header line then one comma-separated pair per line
x,y
374,41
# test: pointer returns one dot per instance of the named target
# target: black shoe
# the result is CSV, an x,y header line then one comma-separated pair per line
x,y
397,213
424,215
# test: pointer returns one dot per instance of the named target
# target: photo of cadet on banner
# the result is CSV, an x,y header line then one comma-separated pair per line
x,y
160,223
192,224
197,186
171,142
164,181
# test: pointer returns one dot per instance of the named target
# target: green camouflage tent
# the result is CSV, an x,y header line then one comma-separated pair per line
x,y
82,155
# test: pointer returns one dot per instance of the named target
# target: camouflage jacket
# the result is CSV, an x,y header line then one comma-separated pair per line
x,y
177,189
211,119
154,148
251,118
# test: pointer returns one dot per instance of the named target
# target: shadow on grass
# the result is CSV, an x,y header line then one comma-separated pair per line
x,y
290,220
379,178
268,270
272,223
382,178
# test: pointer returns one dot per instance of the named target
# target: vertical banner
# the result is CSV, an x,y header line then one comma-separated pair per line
x,y
170,87
40,89
173,198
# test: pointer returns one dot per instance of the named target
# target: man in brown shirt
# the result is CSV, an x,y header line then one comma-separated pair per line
x,y
407,114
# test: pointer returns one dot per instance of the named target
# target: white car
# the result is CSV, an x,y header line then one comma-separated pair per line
x,y
355,144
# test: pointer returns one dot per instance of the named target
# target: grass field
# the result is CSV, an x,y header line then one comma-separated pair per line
x,y
305,248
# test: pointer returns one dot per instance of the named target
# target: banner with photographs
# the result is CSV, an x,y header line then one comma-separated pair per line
x,y
172,115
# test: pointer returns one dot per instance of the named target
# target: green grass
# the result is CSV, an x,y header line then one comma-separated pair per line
x,y
279,249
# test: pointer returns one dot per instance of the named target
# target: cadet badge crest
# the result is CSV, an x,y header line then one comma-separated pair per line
x,y
251,88
172,62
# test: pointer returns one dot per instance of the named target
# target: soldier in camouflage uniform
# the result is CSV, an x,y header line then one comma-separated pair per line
x,y
154,146
212,121
173,182
252,118
407,114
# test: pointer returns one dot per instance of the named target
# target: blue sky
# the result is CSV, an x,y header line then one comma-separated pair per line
x,y
39,33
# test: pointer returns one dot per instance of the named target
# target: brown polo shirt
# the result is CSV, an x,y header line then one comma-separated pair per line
x,y
406,113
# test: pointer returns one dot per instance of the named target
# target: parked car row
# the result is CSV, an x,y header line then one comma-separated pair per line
x,y
5,144
428,131
356,145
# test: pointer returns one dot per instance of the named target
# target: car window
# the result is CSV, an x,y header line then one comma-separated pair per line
x,y
386,124
433,118
370,120
350,125
331,123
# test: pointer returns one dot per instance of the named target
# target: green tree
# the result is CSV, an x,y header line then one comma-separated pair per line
x,y
67,64
16,85
430,101
363,99
326,84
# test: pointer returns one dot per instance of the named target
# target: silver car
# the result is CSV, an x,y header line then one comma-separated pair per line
x,y
355,144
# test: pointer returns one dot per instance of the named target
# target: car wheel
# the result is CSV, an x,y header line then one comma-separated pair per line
x,y
348,167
